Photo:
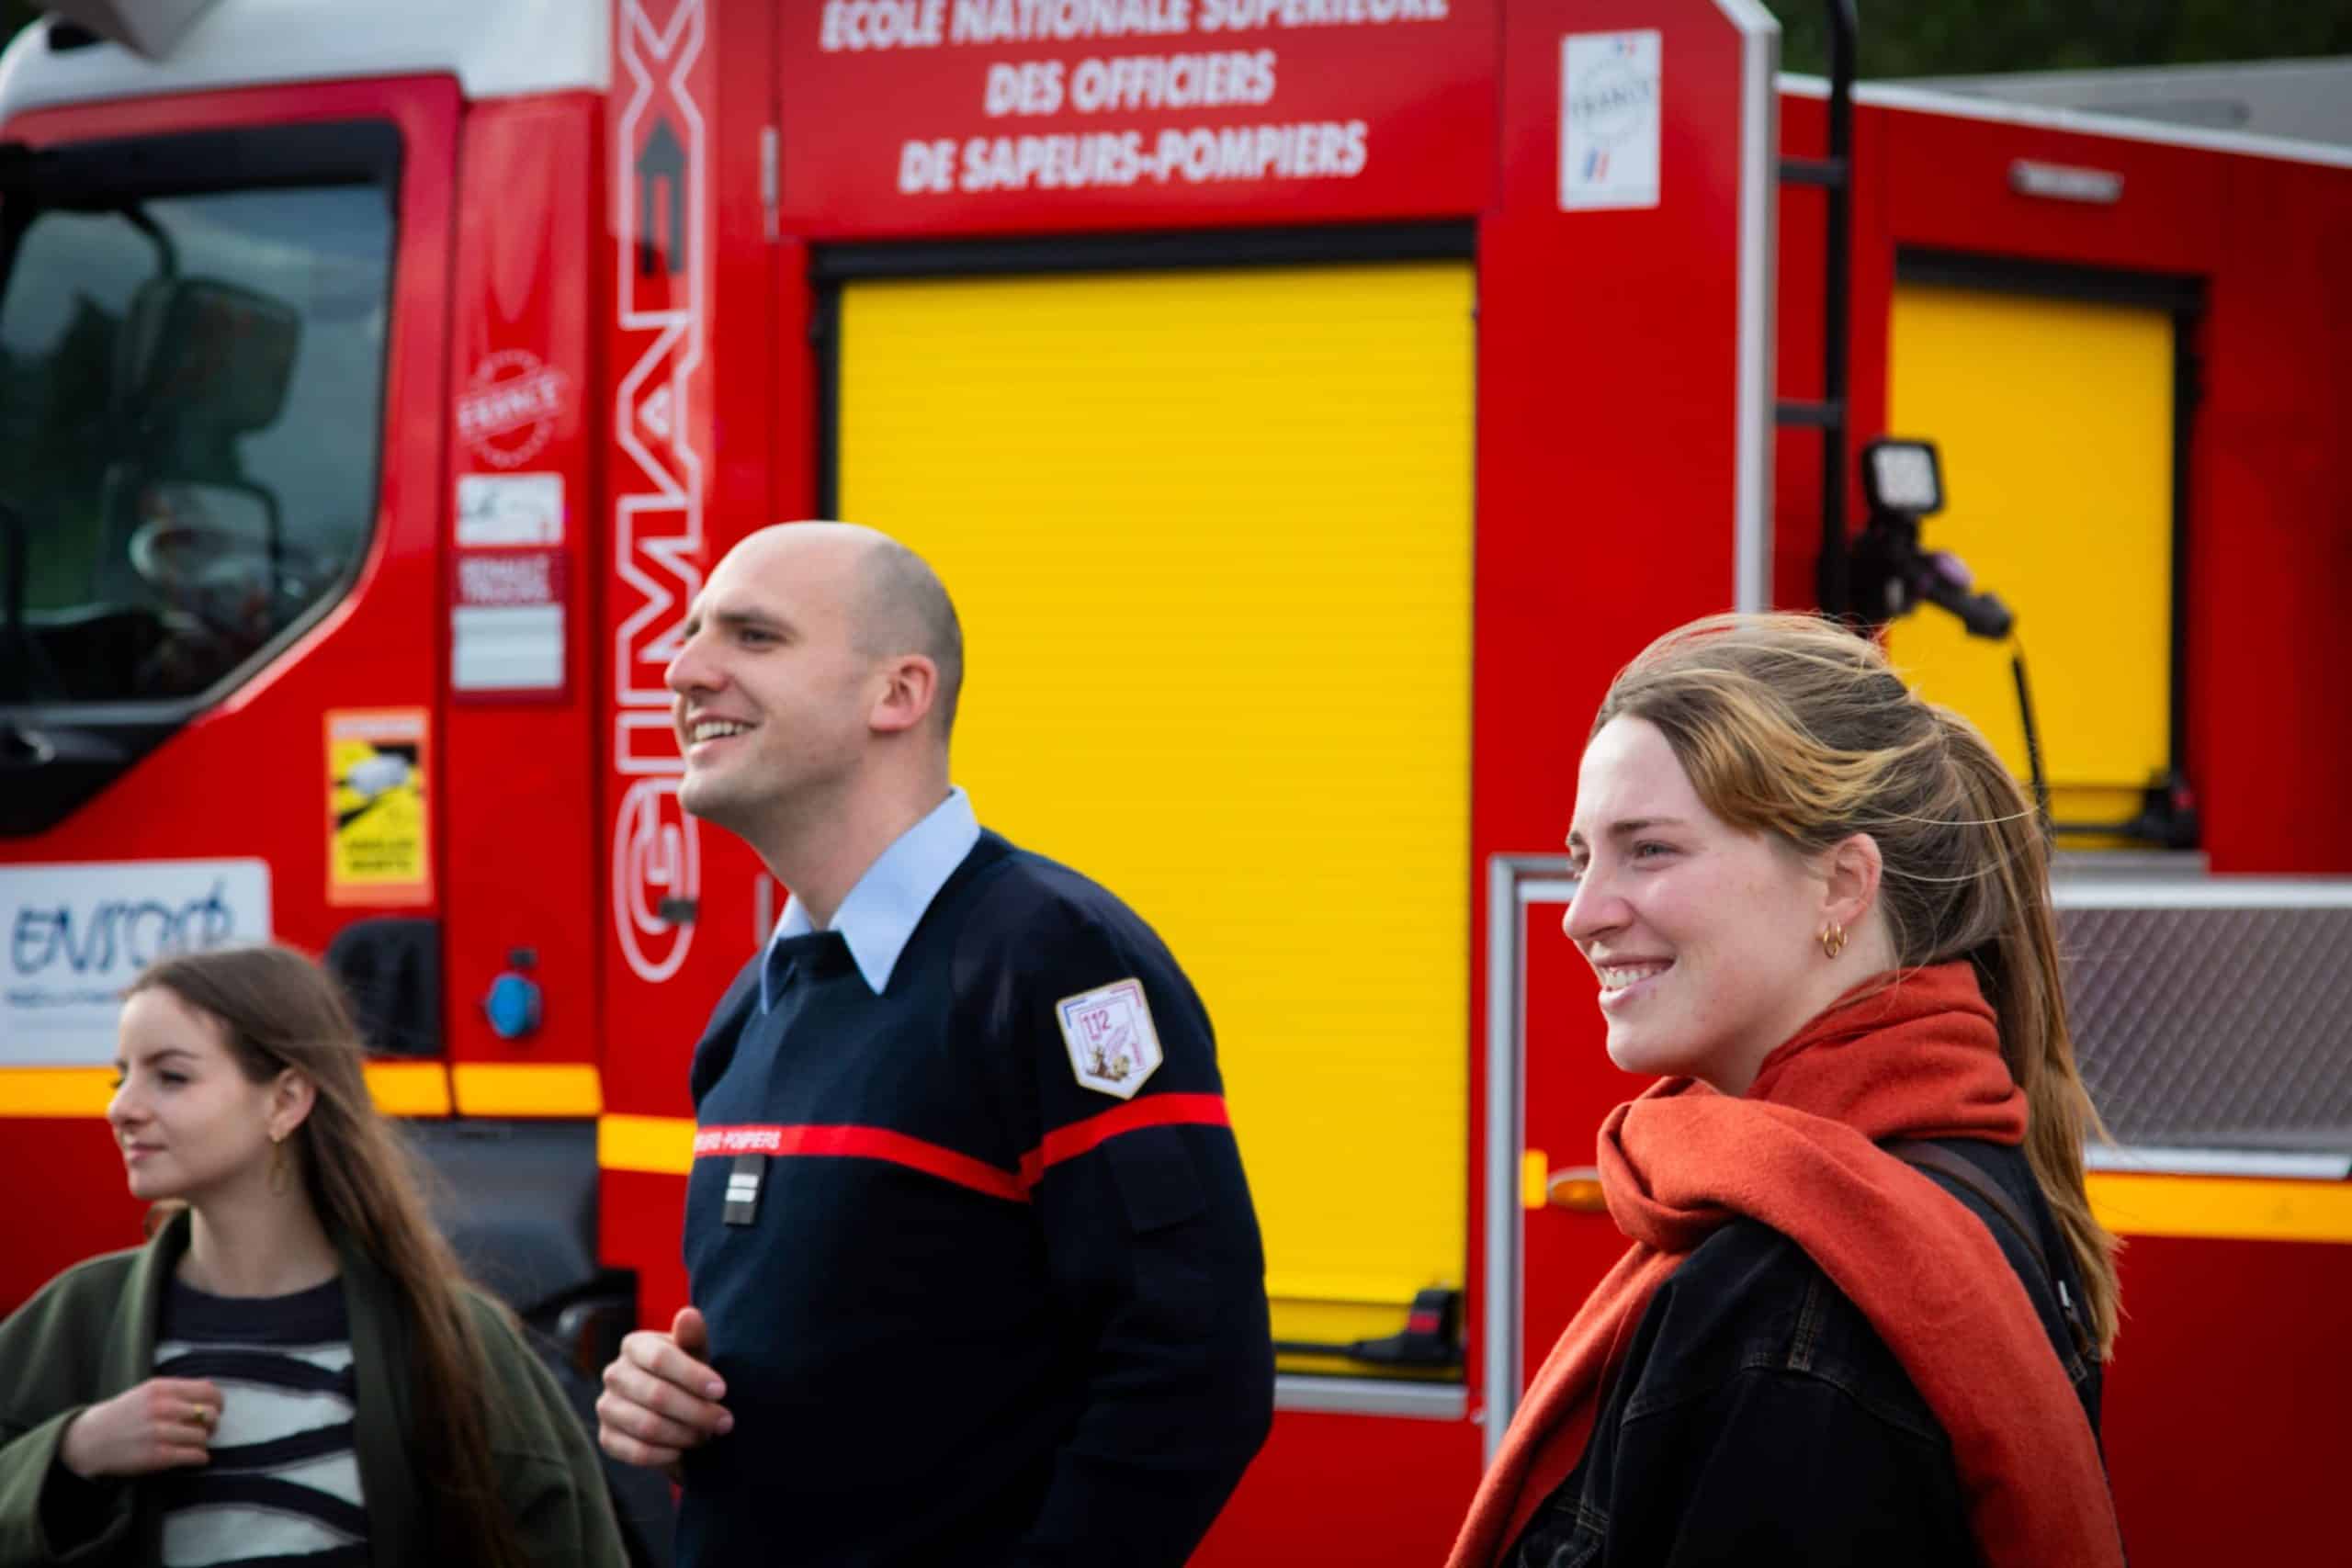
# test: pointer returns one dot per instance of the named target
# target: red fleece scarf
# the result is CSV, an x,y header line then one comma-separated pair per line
x,y
1920,1060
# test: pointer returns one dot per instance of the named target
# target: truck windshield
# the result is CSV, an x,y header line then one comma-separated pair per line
x,y
191,392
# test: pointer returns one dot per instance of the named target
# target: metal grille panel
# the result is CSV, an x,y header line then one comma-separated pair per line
x,y
2227,1028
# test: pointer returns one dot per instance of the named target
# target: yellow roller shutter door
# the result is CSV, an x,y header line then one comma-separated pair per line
x,y
2055,422
1210,536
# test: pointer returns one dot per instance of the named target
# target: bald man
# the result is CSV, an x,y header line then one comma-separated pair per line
x,y
975,1273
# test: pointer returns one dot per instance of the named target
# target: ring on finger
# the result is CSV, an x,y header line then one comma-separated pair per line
x,y
202,1416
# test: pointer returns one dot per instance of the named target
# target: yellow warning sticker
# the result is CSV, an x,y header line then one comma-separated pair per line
x,y
377,839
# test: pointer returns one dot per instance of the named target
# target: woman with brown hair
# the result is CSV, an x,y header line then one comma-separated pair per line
x,y
1866,1303
293,1369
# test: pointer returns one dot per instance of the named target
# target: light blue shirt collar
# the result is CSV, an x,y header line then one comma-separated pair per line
x,y
879,915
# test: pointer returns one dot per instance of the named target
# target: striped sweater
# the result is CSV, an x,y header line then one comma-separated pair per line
x,y
92,1334
283,1483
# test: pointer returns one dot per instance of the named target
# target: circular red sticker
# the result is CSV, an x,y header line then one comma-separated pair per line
x,y
509,407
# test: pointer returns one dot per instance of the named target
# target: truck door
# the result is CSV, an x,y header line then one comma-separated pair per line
x,y
1558,1041
2056,414
1209,529
220,327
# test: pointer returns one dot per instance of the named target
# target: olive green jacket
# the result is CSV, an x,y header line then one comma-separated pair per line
x,y
90,1335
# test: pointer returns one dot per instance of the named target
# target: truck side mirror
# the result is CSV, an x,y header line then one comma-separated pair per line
x,y
147,28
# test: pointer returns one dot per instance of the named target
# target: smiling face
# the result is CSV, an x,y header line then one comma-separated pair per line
x,y
1702,934
191,1125
771,694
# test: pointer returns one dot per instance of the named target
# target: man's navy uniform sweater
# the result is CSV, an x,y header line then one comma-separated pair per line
x,y
975,1311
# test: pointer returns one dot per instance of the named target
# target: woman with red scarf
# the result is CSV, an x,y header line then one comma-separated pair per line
x,y
1866,1302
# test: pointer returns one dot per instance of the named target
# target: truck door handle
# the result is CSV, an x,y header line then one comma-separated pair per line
x,y
1431,1340
1576,1188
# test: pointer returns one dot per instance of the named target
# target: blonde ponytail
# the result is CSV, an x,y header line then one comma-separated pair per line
x,y
2024,980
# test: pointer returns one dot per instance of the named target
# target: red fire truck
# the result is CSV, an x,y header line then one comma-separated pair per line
x,y
1311,403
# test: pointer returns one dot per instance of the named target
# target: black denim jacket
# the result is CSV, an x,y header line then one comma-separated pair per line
x,y
1758,1418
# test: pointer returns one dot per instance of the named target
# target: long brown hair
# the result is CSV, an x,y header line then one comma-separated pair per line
x,y
278,1010
1791,726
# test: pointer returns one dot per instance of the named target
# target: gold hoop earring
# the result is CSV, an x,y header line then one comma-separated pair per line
x,y
1833,939
280,1179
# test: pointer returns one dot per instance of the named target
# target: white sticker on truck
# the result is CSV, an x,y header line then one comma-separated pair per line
x,y
1610,117
77,934
510,508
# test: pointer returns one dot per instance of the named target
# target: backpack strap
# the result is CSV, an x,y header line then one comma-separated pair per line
x,y
1934,1159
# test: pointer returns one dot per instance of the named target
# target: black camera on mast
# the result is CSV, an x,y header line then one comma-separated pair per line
x,y
1891,575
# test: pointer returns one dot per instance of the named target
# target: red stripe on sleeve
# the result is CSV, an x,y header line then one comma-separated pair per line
x,y
863,1142
1159,1111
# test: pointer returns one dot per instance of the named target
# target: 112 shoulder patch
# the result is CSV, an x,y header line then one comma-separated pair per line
x,y
1113,1046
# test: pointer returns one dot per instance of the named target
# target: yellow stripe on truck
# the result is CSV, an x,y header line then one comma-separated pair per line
x,y
658,1146
409,1089
56,1091
2219,1208
399,1088
528,1088
2222,1207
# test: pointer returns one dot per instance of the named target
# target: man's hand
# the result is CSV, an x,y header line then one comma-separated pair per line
x,y
160,1425
660,1397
